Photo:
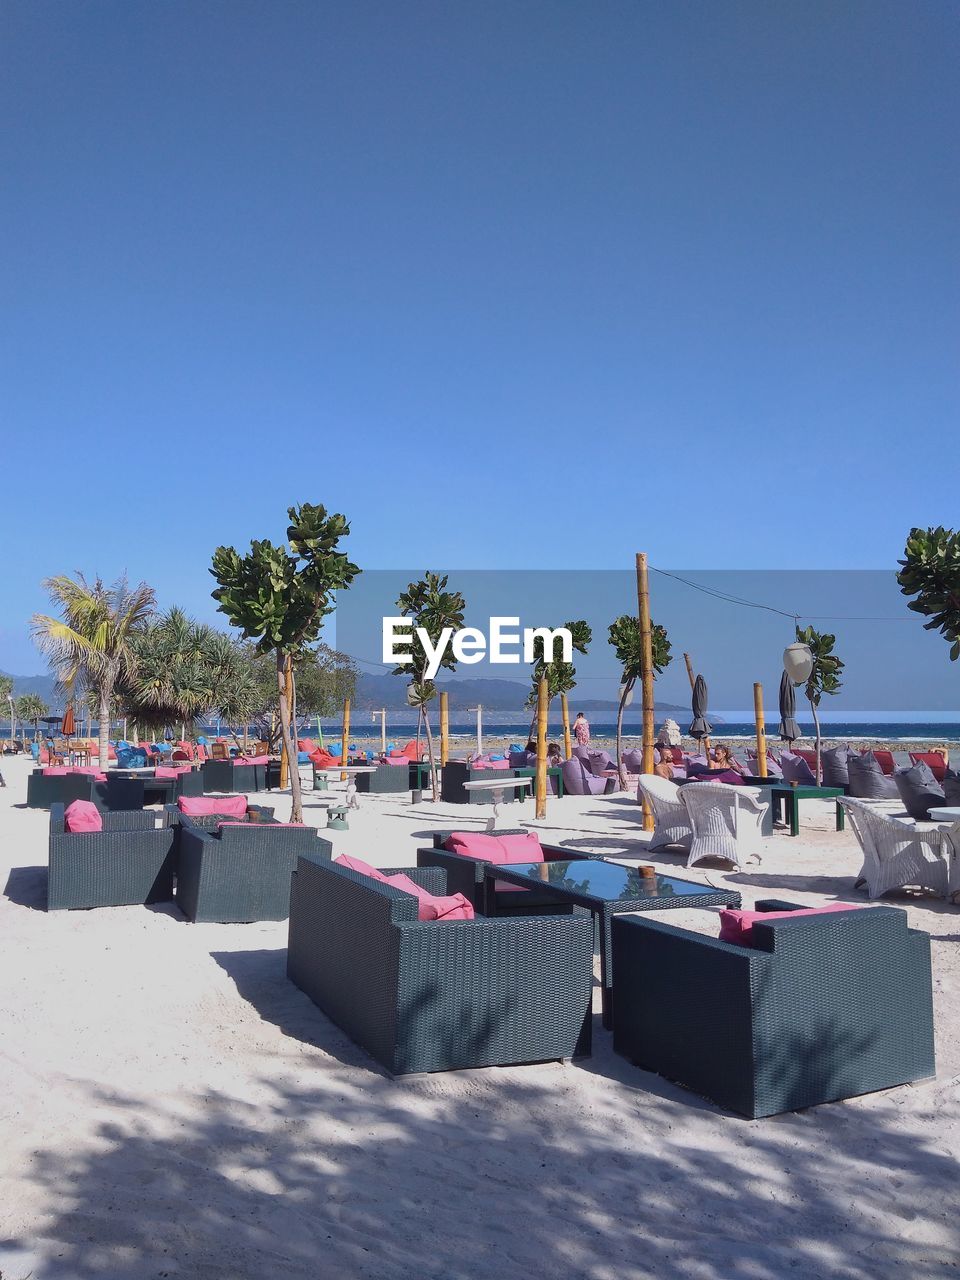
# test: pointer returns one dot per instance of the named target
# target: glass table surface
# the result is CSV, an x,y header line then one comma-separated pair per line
x,y
609,881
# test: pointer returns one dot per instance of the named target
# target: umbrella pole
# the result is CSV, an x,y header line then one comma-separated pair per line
x,y
704,742
565,712
646,677
543,699
761,730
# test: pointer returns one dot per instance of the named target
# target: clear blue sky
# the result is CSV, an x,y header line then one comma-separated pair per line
x,y
535,284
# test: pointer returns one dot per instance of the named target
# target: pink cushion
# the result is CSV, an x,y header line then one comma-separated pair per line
x,y
431,906
162,771
737,926
400,760
197,806
498,850
55,771
358,865
82,815
258,760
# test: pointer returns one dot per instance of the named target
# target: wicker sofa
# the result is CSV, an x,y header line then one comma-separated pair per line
x,y
467,876
225,775
821,1007
388,778
130,861
47,789
437,996
456,772
234,872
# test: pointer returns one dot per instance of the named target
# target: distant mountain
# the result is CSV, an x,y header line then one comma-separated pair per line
x,y
501,700
44,685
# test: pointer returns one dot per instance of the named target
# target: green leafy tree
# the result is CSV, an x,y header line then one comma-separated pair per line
x,y
561,676
31,709
187,669
429,605
323,677
6,689
91,646
279,596
624,635
930,570
824,678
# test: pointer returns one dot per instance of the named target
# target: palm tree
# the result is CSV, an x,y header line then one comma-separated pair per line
x,y
31,709
91,645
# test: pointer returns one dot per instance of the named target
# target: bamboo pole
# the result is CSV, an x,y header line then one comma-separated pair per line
x,y
543,699
286,764
346,734
646,677
761,730
444,726
565,711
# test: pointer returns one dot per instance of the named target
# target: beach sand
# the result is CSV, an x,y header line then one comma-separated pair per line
x,y
173,1107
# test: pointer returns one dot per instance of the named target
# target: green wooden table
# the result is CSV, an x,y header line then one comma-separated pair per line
x,y
530,772
786,802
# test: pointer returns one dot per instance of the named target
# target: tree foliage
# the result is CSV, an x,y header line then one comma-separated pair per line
x,y
824,678
30,709
430,606
91,646
624,635
279,596
930,570
561,676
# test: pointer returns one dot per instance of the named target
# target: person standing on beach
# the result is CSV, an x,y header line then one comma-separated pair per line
x,y
581,729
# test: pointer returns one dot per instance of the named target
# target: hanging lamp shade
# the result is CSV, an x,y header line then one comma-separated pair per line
x,y
798,662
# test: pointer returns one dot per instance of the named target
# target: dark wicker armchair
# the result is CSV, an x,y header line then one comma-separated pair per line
x,y
233,872
225,775
456,772
467,876
822,1007
435,996
47,789
130,861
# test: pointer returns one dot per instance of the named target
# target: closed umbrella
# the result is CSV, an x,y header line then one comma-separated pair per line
x,y
69,723
789,730
700,727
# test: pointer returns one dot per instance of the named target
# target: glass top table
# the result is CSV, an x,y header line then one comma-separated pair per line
x,y
606,889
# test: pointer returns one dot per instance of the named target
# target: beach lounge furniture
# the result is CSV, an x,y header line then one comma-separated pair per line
x,y
385,779
129,861
466,872
671,824
820,1006
236,871
726,822
437,995
456,772
58,784
897,854
579,781
229,775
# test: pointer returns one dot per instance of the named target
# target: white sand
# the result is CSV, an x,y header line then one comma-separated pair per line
x,y
173,1107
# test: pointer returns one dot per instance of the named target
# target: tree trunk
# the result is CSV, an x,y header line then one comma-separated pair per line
x,y
106,695
433,768
623,702
816,726
419,726
296,810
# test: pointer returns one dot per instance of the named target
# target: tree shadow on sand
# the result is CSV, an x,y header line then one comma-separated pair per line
x,y
321,1165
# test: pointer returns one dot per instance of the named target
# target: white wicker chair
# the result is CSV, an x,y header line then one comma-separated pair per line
x,y
671,824
726,821
897,853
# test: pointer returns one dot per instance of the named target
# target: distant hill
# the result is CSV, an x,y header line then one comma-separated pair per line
x,y
44,685
500,699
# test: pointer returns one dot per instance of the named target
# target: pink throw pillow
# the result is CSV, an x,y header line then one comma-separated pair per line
x,y
199,806
55,771
432,906
357,864
498,850
737,926
82,815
